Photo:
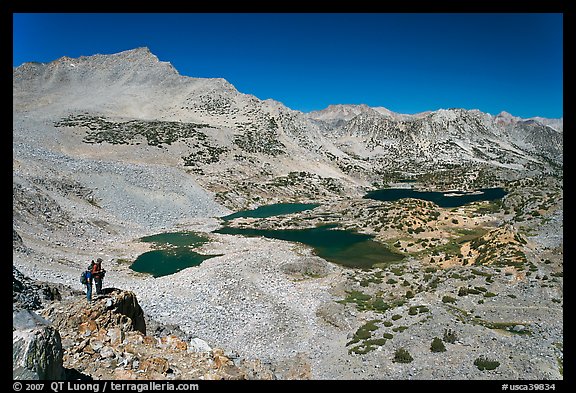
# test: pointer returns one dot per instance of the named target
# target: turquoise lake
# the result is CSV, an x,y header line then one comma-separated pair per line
x,y
347,248
442,199
276,209
174,253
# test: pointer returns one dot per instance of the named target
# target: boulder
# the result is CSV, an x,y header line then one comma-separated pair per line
x,y
36,349
198,345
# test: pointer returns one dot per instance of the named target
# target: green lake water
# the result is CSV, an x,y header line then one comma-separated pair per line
x,y
174,250
174,253
276,209
343,247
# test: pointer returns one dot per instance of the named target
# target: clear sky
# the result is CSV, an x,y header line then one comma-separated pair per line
x,y
405,62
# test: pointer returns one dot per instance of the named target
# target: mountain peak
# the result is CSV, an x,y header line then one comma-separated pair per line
x,y
137,67
506,115
142,51
340,111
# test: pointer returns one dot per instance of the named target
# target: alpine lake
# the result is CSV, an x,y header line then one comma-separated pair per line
x,y
175,250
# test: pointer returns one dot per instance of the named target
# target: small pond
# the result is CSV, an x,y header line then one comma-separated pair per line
x,y
174,253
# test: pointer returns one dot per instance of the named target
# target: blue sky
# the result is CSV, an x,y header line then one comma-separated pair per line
x,y
406,62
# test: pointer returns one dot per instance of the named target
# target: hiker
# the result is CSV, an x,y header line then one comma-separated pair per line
x,y
86,279
98,275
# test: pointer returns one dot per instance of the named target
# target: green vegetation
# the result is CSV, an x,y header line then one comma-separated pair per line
x,y
484,363
214,104
310,184
489,207
480,273
448,299
363,336
414,310
464,291
437,345
365,302
357,297
401,355
364,332
260,138
467,235
207,155
156,133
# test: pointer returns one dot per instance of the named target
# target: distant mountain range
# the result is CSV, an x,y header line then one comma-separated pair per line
x,y
238,136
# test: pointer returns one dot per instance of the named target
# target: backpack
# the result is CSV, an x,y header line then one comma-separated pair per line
x,y
85,276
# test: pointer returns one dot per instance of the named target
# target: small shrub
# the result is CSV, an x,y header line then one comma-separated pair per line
x,y
437,345
448,299
485,364
402,356
380,305
375,341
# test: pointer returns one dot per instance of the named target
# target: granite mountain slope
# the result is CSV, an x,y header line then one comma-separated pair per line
x,y
209,128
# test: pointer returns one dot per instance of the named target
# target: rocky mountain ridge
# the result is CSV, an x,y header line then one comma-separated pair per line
x,y
444,136
347,148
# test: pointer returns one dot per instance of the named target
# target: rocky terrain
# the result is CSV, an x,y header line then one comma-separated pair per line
x,y
61,336
110,148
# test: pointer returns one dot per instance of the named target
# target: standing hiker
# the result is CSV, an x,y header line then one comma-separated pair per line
x,y
98,275
86,279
